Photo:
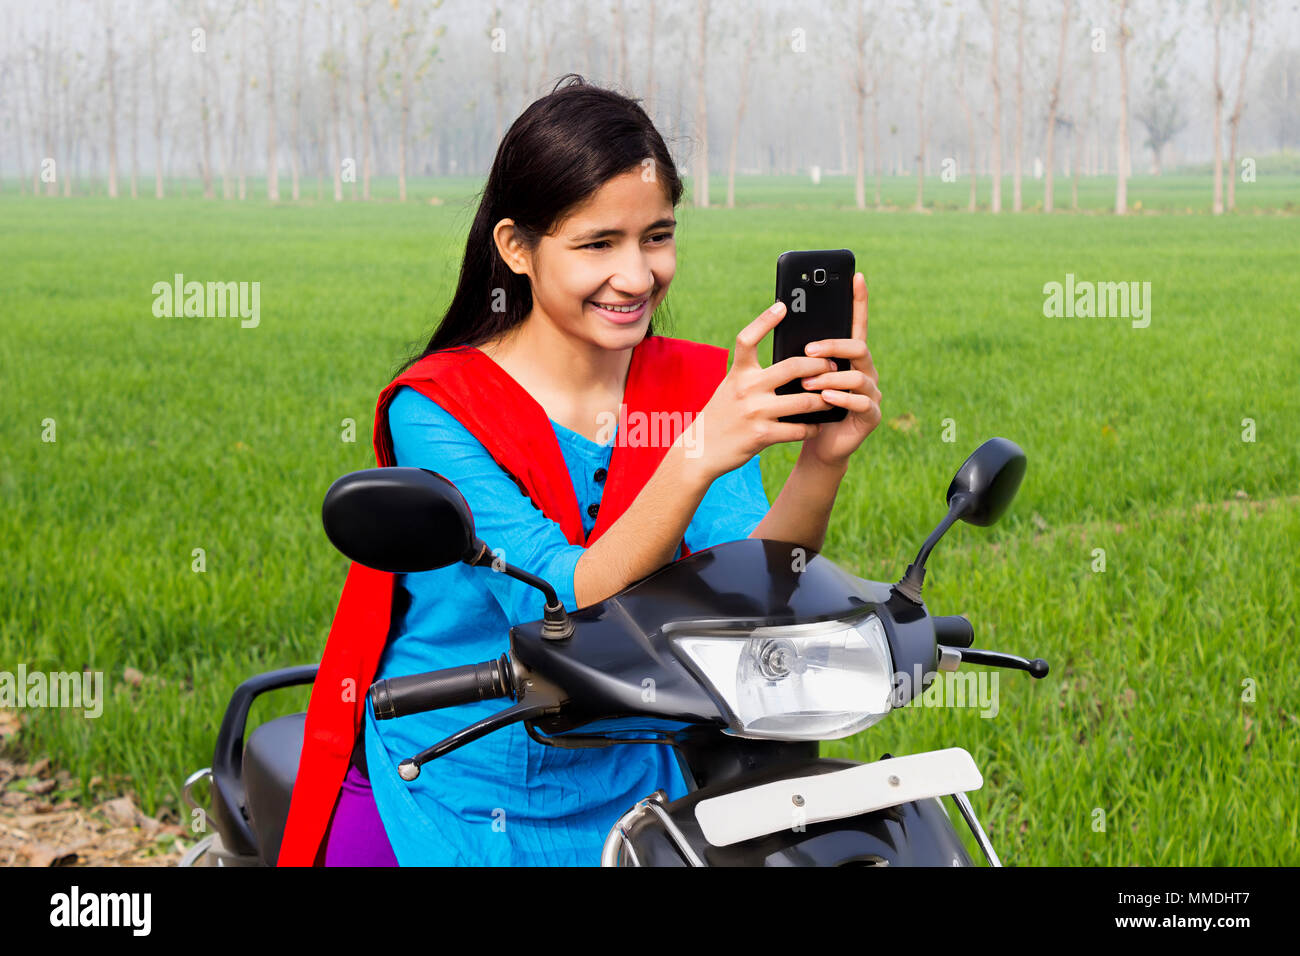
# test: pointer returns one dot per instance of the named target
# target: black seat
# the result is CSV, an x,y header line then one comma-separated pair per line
x,y
270,768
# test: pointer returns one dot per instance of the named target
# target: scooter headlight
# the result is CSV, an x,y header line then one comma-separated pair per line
x,y
815,681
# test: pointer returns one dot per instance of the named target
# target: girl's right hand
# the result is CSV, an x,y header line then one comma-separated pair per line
x,y
741,419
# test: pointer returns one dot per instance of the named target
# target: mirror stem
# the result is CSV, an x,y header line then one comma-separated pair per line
x,y
910,584
557,625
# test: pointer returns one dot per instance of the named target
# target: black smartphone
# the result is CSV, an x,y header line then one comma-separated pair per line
x,y
817,289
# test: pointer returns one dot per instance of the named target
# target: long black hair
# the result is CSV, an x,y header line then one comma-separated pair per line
x,y
560,150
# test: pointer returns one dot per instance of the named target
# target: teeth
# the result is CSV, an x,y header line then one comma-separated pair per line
x,y
621,308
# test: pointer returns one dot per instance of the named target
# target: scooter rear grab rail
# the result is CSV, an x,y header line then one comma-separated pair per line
x,y
228,798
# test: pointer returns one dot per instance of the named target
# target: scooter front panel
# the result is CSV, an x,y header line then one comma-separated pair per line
x,y
916,833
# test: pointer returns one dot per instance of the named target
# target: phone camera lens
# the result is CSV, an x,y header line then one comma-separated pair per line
x,y
819,276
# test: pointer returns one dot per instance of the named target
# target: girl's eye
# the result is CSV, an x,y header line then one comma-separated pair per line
x,y
663,236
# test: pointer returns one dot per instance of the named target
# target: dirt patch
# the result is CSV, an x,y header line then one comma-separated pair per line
x,y
42,825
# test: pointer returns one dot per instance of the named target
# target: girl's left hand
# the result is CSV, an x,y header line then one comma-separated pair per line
x,y
854,389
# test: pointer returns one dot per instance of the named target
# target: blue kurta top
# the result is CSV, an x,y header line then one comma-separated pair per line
x,y
504,799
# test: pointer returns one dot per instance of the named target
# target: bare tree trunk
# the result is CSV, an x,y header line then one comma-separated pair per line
x,y
31,119
110,69
18,127
334,65
750,45
405,54
203,107
272,167
548,37
241,107
920,142
68,114
1076,134
295,154
367,123
228,138
159,108
611,61
622,44
1053,105
65,169
675,124
498,90
1122,160
921,126
351,114
51,117
875,143
650,63
1094,123
228,141
18,118
1020,105
702,110
528,48
996,145
586,40
1217,8
69,141
1234,121
960,83
318,150
135,126
860,103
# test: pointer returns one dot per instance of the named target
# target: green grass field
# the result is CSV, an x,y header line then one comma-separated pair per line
x,y
177,434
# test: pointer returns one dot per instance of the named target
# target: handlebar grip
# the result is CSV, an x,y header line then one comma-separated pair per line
x,y
400,696
953,630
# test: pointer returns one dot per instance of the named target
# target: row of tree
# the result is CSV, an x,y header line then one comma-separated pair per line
x,y
1161,112
350,89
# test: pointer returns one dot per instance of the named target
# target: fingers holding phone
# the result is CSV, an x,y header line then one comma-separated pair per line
x,y
855,391
746,413
861,375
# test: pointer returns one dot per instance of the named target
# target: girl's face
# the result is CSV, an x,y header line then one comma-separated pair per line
x,y
616,249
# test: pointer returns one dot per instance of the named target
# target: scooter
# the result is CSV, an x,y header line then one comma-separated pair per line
x,y
742,657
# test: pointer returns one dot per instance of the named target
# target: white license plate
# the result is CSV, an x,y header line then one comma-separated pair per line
x,y
770,807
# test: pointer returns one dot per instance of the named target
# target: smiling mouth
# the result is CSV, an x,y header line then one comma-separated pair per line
x,y
622,306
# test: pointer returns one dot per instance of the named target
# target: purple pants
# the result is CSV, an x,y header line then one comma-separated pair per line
x,y
356,835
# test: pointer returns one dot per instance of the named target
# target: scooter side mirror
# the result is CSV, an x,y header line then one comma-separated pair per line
x,y
988,480
980,492
399,519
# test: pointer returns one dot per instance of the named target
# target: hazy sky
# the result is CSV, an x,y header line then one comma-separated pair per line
x,y
800,107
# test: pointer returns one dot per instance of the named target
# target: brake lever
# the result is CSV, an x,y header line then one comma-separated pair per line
x,y
1037,668
540,698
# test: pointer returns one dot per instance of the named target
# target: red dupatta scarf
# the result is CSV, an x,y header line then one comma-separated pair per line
x,y
671,376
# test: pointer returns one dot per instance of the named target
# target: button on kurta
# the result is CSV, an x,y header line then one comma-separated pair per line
x,y
592,509
600,474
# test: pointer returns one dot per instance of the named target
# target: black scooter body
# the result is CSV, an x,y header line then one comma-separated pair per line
x,y
740,585
580,679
